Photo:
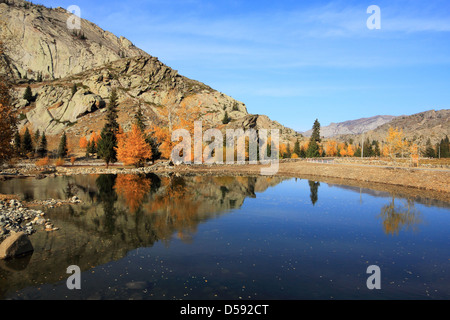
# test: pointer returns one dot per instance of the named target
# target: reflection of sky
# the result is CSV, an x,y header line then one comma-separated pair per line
x,y
279,246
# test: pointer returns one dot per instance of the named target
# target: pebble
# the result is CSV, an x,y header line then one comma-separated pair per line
x,y
14,216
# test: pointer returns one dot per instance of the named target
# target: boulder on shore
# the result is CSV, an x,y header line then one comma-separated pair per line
x,y
15,245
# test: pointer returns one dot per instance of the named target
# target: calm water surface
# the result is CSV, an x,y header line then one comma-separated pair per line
x,y
167,237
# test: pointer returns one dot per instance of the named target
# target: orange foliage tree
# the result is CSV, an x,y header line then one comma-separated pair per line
x,y
331,148
176,116
132,148
83,142
8,119
350,151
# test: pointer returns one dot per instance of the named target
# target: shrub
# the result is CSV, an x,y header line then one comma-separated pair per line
x,y
59,162
43,162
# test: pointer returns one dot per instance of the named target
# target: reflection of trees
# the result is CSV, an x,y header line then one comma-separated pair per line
x,y
107,196
314,188
174,208
395,216
133,188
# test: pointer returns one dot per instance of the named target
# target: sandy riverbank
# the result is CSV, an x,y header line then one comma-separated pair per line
x,y
416,182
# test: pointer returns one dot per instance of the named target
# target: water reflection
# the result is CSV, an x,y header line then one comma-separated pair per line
x,y
397,216
120,213
314,189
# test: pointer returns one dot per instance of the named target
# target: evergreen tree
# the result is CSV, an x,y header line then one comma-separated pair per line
x,y
17,143
107,144
444,148
149,137
27,143
368,150
74,89
36,139
297,149
28,94
62,148
226,119
313,147
139,120
376,150
288,153
429,151
42,149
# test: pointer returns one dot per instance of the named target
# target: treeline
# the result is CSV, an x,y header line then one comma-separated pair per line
x,y
395,145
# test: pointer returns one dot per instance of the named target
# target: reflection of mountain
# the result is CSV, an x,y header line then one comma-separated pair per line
x,y
119,214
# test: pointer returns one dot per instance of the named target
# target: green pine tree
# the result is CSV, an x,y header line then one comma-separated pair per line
x,y
107,144
313,147
27,143
17,144
297,149
42,148
139,120
226,118
62,148
74,89
429,150
28,94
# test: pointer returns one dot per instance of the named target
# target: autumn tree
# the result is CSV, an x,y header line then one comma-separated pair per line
x,y
149,135
83,143
176,115
132,148
8,121
331,148
394,143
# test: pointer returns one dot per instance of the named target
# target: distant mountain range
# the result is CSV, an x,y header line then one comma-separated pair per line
x,y
419,127
351,126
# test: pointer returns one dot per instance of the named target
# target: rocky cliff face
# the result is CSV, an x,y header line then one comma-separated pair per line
x,y
38,42
42,52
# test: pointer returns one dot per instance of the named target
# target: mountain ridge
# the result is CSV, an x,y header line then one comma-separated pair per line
x,y
41,52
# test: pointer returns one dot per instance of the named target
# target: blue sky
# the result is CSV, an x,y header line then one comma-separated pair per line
x,y
296,61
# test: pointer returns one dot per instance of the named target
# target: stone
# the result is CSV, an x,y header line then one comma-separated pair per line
x,y
17,244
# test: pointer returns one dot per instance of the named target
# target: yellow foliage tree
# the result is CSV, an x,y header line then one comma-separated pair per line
x,y
331,148
395,143
132,148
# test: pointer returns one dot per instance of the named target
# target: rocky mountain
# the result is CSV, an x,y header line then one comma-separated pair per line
x,y
39,43
352,126
432,124
41,52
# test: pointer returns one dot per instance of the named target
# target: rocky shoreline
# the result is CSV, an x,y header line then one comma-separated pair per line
x,y
17,218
